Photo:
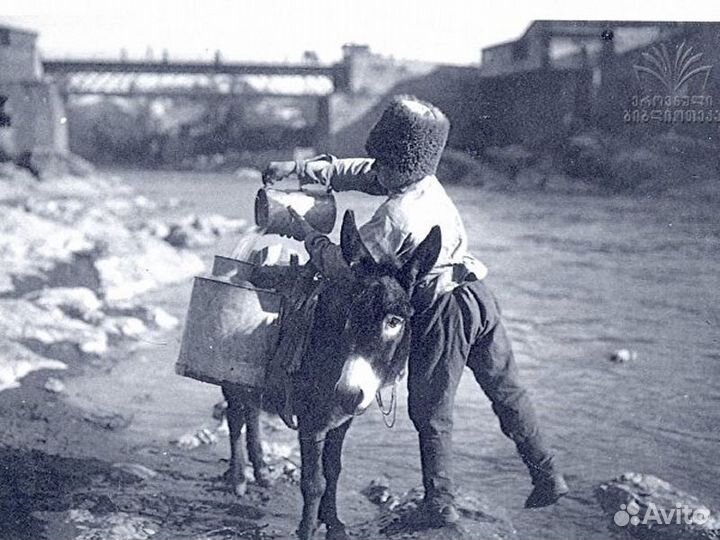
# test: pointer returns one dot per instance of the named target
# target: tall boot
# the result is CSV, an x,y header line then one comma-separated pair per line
x,y
438,509
549,484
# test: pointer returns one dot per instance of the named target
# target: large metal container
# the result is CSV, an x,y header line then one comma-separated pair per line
x,y
317,206
231,331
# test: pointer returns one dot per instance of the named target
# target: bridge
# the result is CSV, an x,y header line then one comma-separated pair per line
x,y
329,96
214,81
194,79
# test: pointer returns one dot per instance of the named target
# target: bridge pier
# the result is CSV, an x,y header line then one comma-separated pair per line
x,y
322,125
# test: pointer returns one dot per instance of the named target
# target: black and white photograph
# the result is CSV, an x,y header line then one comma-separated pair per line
x,y
359,270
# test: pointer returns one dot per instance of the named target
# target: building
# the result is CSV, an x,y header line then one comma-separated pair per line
x,y
18,55
574,75
572,44
31,108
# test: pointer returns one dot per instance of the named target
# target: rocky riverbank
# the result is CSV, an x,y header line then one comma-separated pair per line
x,y
594,162
94,282
80,257
75,262
646,506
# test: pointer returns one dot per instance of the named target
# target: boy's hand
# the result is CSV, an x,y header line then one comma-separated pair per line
x,y
276,171
299,228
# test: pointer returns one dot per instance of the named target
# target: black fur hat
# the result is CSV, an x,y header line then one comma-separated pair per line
x,y
409,139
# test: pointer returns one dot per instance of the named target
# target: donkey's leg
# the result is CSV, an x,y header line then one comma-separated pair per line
x,y
332,465
236,419
254,445
312,482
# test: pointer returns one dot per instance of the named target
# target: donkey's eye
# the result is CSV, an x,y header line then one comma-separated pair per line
x,y
393,321
392,326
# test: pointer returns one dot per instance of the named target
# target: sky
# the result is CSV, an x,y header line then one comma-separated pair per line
x,y
445,31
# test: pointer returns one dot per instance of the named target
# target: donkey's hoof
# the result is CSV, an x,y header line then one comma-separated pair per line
x,y
262,478
239,488
305,532
336,532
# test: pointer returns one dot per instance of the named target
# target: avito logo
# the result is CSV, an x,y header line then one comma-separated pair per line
x,y
629,514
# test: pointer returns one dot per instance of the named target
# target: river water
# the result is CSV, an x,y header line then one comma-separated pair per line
x,y
578,277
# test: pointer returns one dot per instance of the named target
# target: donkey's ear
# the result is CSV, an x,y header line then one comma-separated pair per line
x,y
423,259
353,250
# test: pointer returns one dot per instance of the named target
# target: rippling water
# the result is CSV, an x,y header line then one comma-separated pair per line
x,y
578,277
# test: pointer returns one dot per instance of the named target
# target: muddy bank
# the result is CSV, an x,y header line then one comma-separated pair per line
x,y
64,476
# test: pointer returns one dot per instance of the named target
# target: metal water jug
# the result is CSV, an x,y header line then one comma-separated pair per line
x,y
316,205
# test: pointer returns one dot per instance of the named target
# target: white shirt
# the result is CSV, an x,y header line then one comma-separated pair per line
x,y
404,219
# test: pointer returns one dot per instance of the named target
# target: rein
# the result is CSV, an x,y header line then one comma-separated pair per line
x,y
392,410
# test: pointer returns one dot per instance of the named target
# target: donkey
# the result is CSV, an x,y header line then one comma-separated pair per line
x,y
359,344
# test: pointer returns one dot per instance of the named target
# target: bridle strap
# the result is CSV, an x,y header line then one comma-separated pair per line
x,y
392,410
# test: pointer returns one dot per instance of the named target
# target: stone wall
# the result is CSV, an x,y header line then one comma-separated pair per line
x,y
37,114
484,111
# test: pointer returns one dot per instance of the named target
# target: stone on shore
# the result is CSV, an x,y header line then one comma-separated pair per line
x,y
54,386
111,526
16,361
77,245
623,355
74,265
194,231
76,302
141,265
400,516
153,316
49,332
31,247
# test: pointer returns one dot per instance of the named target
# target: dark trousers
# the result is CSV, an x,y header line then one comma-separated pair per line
x,y
460,328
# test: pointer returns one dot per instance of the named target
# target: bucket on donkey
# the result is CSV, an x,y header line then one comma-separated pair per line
x,y
316,205
231,331
232,324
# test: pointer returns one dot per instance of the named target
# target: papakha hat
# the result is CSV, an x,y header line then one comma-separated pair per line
x,y
409,139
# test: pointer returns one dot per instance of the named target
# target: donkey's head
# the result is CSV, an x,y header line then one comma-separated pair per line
x,y
376,338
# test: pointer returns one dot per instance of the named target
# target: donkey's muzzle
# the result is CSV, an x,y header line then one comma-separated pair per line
x,y
357,385
349,399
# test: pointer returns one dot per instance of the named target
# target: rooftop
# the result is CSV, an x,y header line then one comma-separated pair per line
x,y
17,30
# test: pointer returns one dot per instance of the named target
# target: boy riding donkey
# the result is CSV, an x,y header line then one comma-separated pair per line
x,y
457,320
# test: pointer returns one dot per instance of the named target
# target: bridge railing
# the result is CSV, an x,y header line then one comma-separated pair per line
x,y
58,68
